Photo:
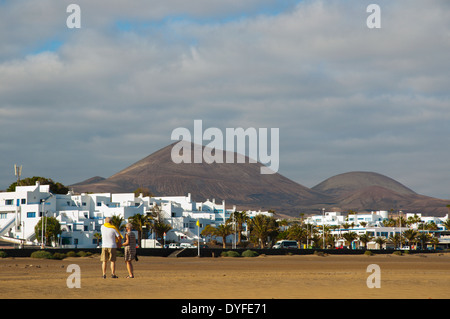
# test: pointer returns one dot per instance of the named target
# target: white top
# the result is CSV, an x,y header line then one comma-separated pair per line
x,y
109,237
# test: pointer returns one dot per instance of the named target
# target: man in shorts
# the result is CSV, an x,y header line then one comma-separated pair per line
x,y
110,236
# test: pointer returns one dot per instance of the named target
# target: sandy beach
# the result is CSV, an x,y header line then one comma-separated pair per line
x,y
266,277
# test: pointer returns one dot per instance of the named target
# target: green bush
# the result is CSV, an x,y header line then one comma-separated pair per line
x,y
368,253
71,254
233,253
250,253
230,253
58,256
41,254
397,252
84,254
3,254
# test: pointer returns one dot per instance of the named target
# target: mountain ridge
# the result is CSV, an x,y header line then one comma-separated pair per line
x,y
242,184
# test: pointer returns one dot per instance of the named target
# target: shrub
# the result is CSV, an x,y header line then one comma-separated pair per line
x,y
3,254
71,254
230,253
397,253
368,253
233,253
84,254
58,256
250,253
41,254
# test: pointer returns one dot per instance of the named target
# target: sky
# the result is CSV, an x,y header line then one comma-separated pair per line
x,y
82,102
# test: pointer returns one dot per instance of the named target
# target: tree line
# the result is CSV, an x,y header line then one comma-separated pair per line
x,y
263,231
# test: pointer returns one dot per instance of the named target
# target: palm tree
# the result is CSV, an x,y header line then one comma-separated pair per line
x,y
330,240
389,222
140,222
423,238
316,239
118,222
410,235
208,230
395,239
157,222
262,227
364,239
298,233
160,227
434,241
413,220
431,226
350,237
239,219
380,241
447,222
400,222
223,230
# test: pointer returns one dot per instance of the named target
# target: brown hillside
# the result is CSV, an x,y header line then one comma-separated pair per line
x,y
348,183
239,184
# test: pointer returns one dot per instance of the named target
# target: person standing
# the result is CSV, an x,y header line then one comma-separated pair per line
x,y
129,249
111,238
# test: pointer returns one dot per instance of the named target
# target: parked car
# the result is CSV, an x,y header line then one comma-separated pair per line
x,y
285,244
187,245
174,245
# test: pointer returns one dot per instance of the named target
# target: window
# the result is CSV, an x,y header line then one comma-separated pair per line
x,y
24,200
9,202
3,215
31,214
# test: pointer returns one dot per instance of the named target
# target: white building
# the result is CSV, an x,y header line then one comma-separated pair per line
x,y
81,216
339,219
368,223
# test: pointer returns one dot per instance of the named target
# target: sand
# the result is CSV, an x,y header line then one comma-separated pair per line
x,y
263,277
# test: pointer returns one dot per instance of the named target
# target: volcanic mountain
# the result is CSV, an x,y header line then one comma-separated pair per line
x,y
347,183
368,191
240,184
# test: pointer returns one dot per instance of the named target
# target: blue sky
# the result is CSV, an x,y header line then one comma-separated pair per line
x,y
91,101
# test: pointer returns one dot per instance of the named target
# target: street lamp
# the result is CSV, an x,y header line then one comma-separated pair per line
x,y
42,223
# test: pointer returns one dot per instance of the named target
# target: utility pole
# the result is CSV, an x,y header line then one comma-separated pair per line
x,y
323,227
18,172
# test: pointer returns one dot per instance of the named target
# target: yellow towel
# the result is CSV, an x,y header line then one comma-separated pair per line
x,y
109,225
